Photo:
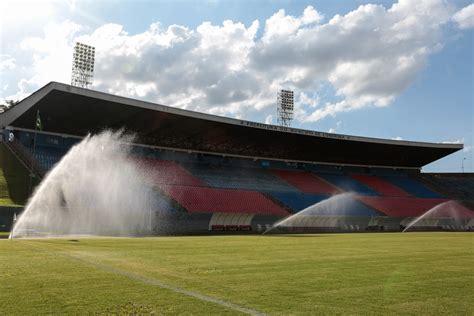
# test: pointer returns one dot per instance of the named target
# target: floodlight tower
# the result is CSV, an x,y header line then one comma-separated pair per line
x,y
285,106
82,65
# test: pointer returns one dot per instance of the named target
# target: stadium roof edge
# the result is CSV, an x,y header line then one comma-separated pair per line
x,y
77,111
11,115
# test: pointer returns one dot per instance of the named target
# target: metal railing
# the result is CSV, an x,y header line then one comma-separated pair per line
x,y
25,157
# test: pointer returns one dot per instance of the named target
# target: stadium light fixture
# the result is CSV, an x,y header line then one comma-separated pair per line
x,y
285,107
82,65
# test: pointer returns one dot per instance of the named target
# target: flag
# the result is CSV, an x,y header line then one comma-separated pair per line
x,y
39,125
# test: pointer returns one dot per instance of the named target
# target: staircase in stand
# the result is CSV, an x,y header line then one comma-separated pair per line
x,y
25,157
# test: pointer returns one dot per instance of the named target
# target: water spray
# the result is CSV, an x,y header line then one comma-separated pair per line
x,y
96,189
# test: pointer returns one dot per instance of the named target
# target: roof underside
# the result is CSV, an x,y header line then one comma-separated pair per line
x,y
70,110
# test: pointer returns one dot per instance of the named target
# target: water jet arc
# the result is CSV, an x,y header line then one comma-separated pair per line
x,y
96,189
448,209
324,207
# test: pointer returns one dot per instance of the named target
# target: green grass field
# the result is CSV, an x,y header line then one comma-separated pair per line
x,y
412,273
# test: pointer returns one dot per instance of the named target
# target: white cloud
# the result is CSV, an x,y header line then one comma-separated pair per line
x,y
24,89
52,54
72,4
369,56
269,119
304,99
22,11
310,15
467,149
397,138
465,17
7,63
455,141
203,69
280,25
335,129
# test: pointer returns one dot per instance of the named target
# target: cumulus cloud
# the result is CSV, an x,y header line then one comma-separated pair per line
x,y
202,69
280,25
466,149
465,17
52,54
24,88
306,100
269,119
455,141
335,129
368,57
7,63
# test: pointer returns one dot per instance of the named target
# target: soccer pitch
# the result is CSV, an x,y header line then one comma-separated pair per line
x,y
391,273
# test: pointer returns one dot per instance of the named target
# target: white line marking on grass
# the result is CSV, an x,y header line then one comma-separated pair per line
x,y
156,282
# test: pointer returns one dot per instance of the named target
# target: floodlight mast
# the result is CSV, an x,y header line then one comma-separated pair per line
x,y
82,65
285,106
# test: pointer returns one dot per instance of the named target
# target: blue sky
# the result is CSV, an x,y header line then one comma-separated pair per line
x,y
388,69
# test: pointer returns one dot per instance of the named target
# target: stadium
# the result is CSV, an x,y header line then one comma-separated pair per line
x,y
217,175
243,193
117,199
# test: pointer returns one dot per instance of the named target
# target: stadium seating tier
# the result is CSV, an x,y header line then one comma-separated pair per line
x,y
414,207
170,172
239,178
347,184
210,200
380,185
346,205
410,185
306,181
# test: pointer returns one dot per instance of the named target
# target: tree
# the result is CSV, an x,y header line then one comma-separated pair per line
x,y
8,105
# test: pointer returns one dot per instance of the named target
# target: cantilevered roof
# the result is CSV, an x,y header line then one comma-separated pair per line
x,y
76,111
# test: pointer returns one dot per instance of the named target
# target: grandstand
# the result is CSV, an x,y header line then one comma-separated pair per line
x,y
220,175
